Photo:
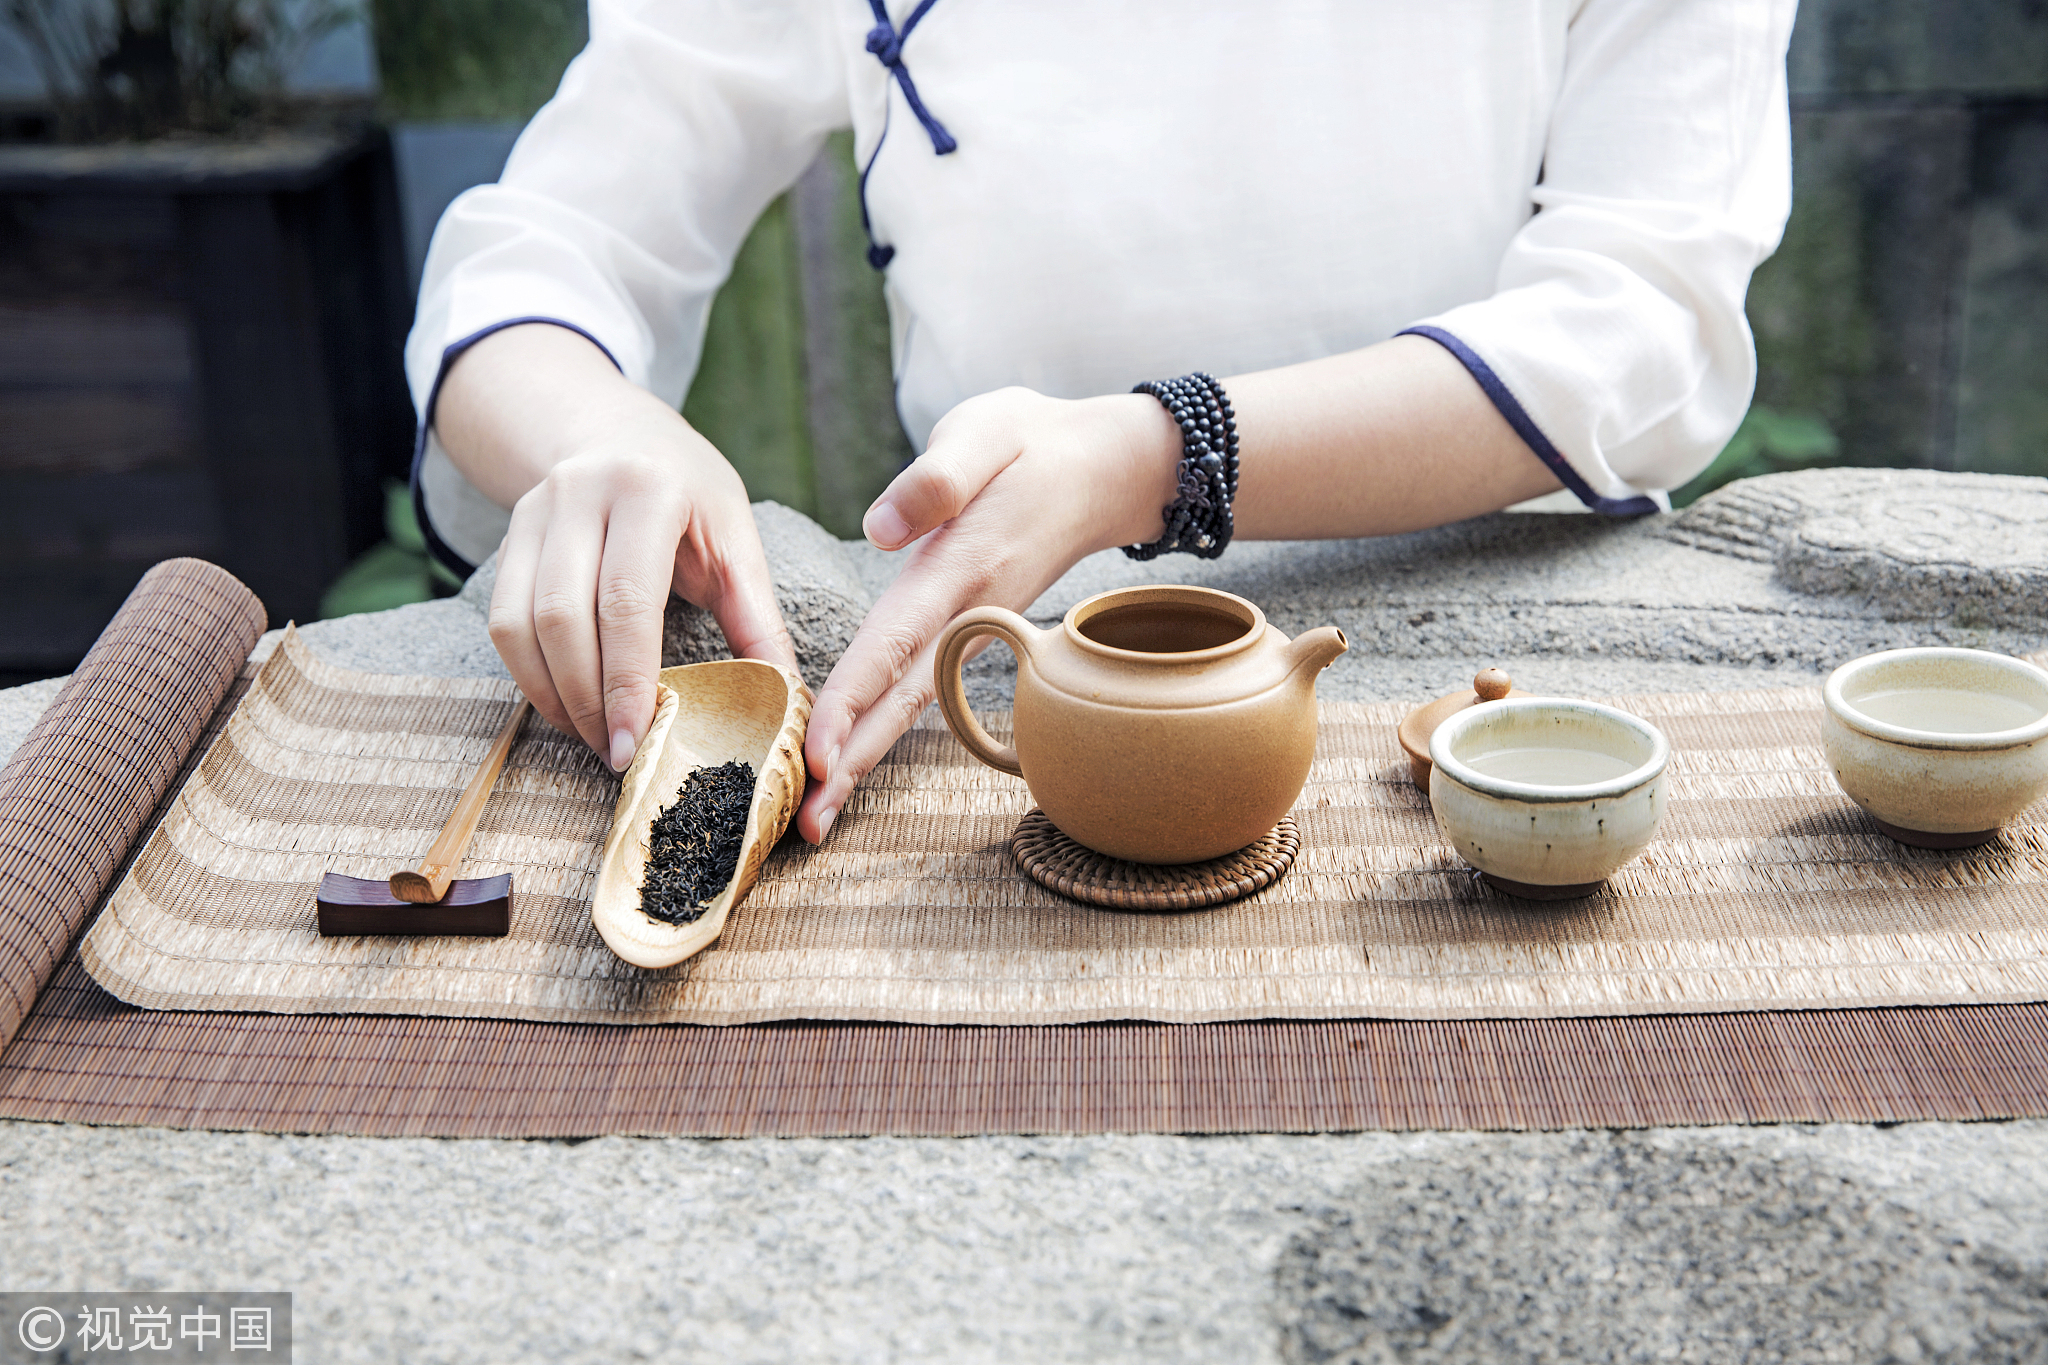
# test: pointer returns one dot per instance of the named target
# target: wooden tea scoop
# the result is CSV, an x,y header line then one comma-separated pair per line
x,y
429,900
728,710
1489,684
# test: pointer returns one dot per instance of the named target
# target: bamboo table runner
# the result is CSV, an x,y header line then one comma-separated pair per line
x,y
1764,889
1767,891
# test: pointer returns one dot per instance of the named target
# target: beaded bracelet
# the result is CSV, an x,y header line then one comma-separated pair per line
x,y
1198,520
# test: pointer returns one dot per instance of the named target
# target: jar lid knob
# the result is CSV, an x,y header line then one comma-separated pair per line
x,y
1491,684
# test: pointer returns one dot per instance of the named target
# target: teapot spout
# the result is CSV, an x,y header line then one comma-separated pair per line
x,y
1319,647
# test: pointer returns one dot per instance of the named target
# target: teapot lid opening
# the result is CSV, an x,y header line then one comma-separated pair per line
x,y
1183,624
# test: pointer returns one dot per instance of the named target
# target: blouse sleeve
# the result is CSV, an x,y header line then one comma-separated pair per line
x,y
626,198
1615,341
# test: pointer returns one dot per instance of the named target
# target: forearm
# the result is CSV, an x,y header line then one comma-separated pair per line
x,y
1392,438
519,402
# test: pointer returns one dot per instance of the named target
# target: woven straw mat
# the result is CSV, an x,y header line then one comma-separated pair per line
x,y
1765,889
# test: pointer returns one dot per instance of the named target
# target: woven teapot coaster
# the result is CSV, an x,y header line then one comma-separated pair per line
x,y
1059,864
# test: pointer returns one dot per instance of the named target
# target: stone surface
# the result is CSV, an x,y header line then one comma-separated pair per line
x,y
1966,550
1705,1246
1918,1243
19,708
1768,582
817,587
1771,581
447,639
1912,1243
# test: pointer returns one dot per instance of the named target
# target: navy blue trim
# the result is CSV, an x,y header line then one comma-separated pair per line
x,y
886,42
437,547
1526,428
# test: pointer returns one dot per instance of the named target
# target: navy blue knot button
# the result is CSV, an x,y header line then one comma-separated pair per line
x,y
883,42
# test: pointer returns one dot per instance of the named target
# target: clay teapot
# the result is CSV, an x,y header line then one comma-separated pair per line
x,y
1156,725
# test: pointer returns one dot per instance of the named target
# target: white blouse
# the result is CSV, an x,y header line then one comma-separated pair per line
x,y
1570,195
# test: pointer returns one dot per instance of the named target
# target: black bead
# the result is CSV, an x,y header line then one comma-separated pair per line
x,y
1198,521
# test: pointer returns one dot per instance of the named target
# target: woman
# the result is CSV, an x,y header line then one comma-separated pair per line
x,y
1444,257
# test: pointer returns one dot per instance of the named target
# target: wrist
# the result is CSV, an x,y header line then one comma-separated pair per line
x,y
1144,473
523,400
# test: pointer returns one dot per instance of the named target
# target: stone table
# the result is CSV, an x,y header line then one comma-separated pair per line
x,y
1909,1242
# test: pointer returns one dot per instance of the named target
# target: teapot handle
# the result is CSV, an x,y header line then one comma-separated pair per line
x,y
965,629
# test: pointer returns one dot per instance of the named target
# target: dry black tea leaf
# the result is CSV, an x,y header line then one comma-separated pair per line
x,y
695,844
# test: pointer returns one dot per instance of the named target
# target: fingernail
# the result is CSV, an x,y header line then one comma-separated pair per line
x,y
885,526
622,750
825,823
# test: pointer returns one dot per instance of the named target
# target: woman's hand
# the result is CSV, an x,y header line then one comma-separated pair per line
x,y
619,502
1013,489
588,564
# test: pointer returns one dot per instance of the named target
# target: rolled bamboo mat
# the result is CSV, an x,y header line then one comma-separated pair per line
x,y
83,784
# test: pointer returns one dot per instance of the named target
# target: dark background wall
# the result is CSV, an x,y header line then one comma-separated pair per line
x,y
1905,319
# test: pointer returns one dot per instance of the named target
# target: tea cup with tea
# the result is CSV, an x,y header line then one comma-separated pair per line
x,y
1942,746
1547,797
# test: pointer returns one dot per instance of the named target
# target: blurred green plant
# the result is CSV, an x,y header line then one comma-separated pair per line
x,y
143,68
394,572
1767,442
826,441
482,60
749,391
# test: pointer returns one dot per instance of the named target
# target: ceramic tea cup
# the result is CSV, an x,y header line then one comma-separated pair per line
x,y
1158,725
1547,797
1942,746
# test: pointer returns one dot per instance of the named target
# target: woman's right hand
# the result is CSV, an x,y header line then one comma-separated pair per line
x,y
616,502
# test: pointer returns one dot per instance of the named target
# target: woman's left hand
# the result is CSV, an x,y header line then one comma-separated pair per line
x,y
1012,490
